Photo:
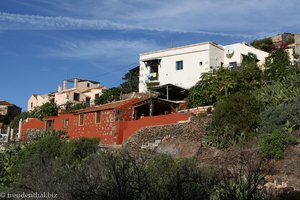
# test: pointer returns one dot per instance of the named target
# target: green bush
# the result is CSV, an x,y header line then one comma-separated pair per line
x,y
234,119
277,117
272,145
273,118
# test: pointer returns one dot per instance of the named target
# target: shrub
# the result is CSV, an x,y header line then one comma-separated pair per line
x,y
272,145
234,118
277,117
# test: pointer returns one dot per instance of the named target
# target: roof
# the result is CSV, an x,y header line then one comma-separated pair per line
x,y
82,80
6,103
68,90
98,87
154,99
182,47
109,106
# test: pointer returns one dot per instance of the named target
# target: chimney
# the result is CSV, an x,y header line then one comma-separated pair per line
x,y
65,84
59,89
75,83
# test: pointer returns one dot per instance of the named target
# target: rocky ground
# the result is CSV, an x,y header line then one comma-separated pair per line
x,y
187,140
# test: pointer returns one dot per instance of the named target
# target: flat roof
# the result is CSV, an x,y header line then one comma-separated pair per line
x,y
182,47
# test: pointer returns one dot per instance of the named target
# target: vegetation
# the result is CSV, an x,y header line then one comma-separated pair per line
x,y
47,109
80,170
71,107
264,44
112,94
274,143
234,119
213,86
131,81
259,105
217,84
278,66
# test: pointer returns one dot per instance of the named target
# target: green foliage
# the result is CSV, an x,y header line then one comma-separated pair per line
x,y
273,118
110,95
131,81
249,60
15,122
272,145
279,92
8,159
278,66
263,44
70,107
217,84
212,87
248,77
177,179
234,119
47,109
76,150
79,170
240,178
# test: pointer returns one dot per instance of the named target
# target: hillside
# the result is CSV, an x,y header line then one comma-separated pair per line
x,y
187,140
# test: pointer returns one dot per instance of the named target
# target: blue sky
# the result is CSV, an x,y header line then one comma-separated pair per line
x,y
43,42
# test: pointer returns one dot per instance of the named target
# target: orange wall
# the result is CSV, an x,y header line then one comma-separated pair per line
x,y
105,130
128,128
112,129
33,123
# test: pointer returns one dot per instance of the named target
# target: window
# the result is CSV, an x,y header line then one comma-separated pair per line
x,y
31,105
88,85
96,96
179,65
201,63
232,65
81,119
76,96
98,117
66,123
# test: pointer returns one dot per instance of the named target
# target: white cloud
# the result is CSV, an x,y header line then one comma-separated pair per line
x,y
36,22
114,50
212,16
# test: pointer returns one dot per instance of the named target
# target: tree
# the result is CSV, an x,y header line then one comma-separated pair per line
x,y
131,81
15,122
212,87
234,119
110,95
47,109
248,77
264,44
278,66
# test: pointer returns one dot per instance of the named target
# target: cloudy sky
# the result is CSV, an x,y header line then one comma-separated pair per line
x,y
43,42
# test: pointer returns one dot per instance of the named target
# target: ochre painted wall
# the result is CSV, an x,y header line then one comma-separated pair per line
x,y
33,123
130,127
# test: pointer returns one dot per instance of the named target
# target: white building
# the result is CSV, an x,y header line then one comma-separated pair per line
x,y
82,91
183,66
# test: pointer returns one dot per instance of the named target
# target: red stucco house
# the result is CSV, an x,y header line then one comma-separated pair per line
x,y
115,122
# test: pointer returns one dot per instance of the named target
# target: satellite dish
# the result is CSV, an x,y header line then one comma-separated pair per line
x,y
229,52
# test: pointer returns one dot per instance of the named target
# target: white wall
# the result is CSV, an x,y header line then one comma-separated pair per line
x,y
93,92
210,54
81,86
244,49
191,56
37,100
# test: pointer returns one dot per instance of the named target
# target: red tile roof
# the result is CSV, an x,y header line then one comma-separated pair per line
x,y
108,106
5,103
